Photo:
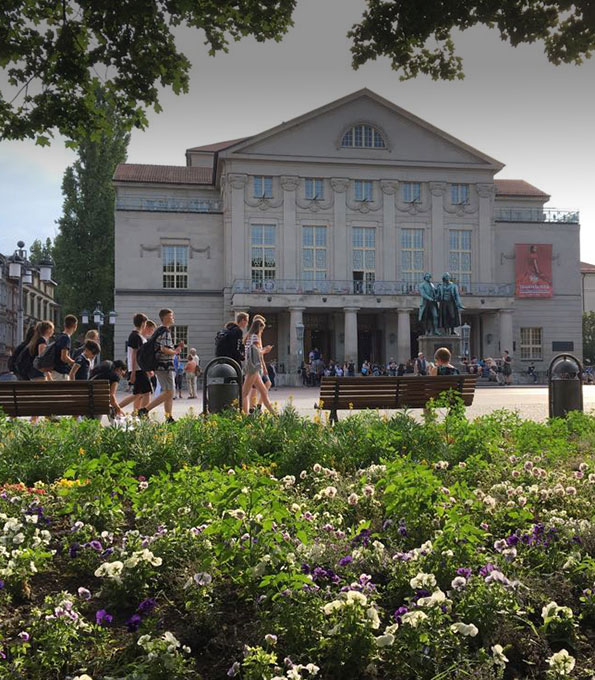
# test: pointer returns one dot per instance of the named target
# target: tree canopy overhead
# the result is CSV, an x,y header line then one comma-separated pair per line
x,y
58,54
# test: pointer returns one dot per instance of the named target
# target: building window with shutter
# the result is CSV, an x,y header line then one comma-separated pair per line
x,y
531,344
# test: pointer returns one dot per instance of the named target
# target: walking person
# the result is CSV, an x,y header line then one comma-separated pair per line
x,y
137,378
192,368
254,367
229,341
178,376
166,351
507,368
62,347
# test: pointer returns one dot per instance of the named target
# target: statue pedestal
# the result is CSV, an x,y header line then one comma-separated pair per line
x,y
428,344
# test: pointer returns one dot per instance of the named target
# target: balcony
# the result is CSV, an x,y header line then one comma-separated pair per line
x,y
169,204
539,215
376,288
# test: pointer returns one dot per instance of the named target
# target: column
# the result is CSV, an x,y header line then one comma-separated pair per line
x,y
288,243
351,334
438,189
403,335
389,189
341,244
484,246
237,242
295,346
506,336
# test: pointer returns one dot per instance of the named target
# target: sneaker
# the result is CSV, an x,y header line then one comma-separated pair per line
x,y
142,413
169,419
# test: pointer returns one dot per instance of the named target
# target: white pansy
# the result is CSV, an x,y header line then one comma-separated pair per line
x,y
372,614
354,596
422,580
498,655
330,491
458,583
413,619
333,606
562,662
436,598
467,629
385,640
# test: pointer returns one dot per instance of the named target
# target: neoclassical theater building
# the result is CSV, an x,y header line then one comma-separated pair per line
x,y
327,223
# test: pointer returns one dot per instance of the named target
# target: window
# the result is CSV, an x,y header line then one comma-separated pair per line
x,y
364,259
314,188
412,256
531,343
175,266
459,258
178,334
314,253
363,136
459,194
411,192
263,253
363,190
263,187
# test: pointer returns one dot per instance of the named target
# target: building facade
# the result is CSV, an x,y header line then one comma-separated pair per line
x,y
38,305
327,223
588,286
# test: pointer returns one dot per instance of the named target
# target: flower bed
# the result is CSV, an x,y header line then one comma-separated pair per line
x,y
284,548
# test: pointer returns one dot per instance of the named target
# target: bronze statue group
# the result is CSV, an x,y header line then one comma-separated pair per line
x,y
439,306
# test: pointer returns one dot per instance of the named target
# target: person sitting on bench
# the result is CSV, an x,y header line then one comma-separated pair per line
x,y
442,365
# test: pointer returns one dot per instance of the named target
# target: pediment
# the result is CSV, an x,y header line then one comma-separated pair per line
x,y
318,134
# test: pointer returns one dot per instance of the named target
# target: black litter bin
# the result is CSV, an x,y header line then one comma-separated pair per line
x,y
565,385
222,385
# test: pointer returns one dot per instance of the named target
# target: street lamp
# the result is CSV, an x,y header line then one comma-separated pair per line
x,y
98,317
465,334
299,334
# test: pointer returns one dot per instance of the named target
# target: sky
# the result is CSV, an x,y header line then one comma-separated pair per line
x,y
513,104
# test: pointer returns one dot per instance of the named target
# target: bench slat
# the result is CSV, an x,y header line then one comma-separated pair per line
x,y
55,398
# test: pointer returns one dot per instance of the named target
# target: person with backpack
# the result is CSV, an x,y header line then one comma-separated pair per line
x,y
91,334
56,357
18,349
113,371
41,335
229,341
157,354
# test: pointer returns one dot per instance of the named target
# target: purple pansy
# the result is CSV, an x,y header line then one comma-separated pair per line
x,y
103,618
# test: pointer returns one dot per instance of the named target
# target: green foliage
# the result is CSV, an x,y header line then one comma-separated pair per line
x,y
417,37
57,55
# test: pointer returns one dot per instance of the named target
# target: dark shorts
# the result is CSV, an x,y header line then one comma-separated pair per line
x,y
142,383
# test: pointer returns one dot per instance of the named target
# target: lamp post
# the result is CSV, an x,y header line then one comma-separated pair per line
x,y
465,334
20,268
98,317
299,334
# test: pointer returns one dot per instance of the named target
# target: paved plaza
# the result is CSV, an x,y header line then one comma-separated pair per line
x,y
530,402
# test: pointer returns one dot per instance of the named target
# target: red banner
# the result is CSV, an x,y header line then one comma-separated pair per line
x,y
533,270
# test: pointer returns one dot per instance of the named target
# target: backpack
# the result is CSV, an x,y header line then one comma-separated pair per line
x,y
23,363
253,359
225,343
47,359
13,357
146,356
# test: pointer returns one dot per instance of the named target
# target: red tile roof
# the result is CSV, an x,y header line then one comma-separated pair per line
x,y
517,187
163,174
587,268
218,146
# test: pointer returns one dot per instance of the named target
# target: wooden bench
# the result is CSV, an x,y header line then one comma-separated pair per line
x,y
55,398
391,392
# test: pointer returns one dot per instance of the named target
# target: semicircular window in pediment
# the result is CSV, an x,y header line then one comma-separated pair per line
x,y
363,137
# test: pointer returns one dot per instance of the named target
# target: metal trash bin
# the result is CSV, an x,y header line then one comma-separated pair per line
x,y
222,385
565,385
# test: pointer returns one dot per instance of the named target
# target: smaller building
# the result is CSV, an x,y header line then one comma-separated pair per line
x,y
588,286
39,304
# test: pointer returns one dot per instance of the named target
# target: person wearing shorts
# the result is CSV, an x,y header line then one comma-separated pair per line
x,y
141,384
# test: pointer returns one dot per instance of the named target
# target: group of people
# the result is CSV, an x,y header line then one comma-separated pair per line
x,y
498,372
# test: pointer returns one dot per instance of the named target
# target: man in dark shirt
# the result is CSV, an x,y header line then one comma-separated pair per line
x,y
165,366
140,381
82,364
63,361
